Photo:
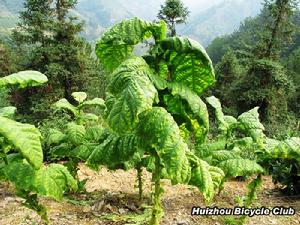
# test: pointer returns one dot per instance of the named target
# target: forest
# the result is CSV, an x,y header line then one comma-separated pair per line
x,y
145,125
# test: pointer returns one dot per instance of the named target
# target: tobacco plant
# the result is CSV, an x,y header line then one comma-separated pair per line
x,y
154,108
236,146
21,155
282,160
84,132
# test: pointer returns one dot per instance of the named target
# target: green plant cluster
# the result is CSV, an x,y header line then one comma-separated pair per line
x,y
21,155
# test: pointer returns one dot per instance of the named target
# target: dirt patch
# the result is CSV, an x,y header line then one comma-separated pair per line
x,y
112,197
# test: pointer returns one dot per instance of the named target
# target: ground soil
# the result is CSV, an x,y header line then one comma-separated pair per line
x,y
111,199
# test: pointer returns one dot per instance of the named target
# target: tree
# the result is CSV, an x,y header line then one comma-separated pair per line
x,y
277,33
293,65
266,83
173,12
50,35
278,27
228,72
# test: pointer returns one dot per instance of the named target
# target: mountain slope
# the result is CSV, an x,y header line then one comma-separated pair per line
x,y
221,19
8,14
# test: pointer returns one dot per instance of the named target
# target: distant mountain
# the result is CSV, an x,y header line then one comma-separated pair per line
x,y
220,19
8,14
208,19
101,14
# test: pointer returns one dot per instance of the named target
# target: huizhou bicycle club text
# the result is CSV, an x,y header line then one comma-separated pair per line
x,y
262,211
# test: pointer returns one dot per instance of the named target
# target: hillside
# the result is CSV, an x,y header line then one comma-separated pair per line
x,y
8,14
221,19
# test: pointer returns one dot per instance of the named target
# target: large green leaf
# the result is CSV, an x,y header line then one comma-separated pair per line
x,y
288,149
65,104
20,173
116,152
197,109
270,143
8,112
94,133
134,93
83,151
206,149
240,167
24,79
117,44
223,155
79,96
205,177
54,136
217,176
51,181
159,134
188,63
62,150
54,180
94,102
75,133
25,138
249,122
224,121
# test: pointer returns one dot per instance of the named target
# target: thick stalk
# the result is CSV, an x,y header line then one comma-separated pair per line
x,y
157,212
140,180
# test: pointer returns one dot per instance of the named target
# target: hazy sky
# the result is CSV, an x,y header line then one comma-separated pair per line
x,y
149,8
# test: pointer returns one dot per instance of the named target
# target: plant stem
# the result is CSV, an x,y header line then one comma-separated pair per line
x,y
253,187
140,180
157,212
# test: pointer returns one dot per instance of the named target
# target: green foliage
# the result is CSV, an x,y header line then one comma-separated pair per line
x,y
51,181
254,54
207,178
288,149
116,152
23,79
240,167
158,132
8,58
224,121
248,122
54,180
77,111
150,103
25,138
193,108
134,94
187,62
234,149
47,39
25,169
118,42
8,111
283,160
75,141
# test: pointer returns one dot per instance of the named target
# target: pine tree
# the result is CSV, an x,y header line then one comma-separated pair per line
x,y
266,83
173,12
53,46
228,72
279,27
